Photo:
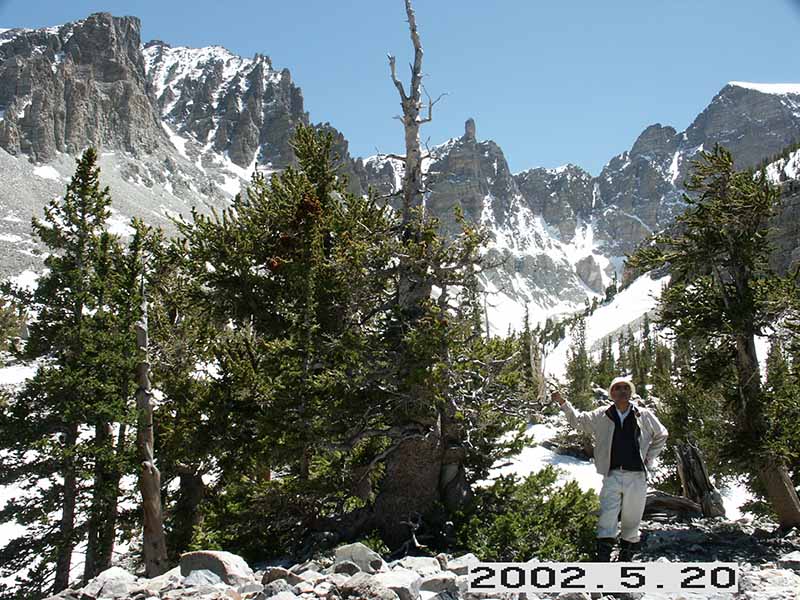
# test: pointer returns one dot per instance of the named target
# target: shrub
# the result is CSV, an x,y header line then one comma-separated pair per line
x,y
514,521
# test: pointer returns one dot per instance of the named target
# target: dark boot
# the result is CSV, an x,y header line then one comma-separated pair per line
x,y
604,547
627,550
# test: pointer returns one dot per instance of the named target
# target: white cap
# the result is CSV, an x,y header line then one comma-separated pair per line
x,y
626,380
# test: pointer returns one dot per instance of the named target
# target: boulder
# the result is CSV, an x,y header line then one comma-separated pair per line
x,y
312,577
201,577
274,573
424,565
111,583
273,588
347,567
403,582
460,565
442,558
363,586
440,582
168,580
232,569
283,596
367,560
310,565
790,561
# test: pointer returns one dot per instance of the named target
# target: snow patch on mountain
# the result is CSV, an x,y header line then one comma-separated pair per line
x,y
785,168
167,67
769,88
47,172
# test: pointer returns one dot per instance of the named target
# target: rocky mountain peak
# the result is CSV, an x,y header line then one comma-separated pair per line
x,y
752,120
226,104
655,140
469,129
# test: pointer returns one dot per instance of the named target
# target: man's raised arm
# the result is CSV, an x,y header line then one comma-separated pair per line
x,y
578,419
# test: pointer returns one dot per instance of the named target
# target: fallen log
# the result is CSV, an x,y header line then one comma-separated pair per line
x,y
660,502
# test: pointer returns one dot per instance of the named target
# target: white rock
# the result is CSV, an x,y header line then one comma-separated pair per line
x,y
460,565
202,577
283,596
171,577
439,582
111,583
424,565
312,576
232,569
790,561
367,560
403,582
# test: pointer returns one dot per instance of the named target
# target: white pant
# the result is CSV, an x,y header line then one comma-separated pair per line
x,y
627,489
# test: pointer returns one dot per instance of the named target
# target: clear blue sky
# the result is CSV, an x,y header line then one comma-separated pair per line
x,y
550,81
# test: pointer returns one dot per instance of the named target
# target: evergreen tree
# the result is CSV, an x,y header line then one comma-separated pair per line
x,y
74,413
606,368
11,323
49,412
723,294
579,368
623,360
323,374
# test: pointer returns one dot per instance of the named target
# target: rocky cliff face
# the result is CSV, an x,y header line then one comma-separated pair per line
x,y
79,84
563,196
785,172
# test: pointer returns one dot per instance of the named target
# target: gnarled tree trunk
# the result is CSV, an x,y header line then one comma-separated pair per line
x,y
695,481
416,472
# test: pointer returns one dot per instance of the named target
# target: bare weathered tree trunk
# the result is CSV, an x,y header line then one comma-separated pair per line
x,y
155,547
695,482
414,467
67,526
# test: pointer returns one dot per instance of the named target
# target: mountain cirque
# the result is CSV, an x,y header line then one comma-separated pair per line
x,y
180,127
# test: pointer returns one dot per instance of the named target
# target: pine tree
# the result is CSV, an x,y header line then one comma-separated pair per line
x,y
52,407
76,410
623,359
579,367
321,368
606,368
723,293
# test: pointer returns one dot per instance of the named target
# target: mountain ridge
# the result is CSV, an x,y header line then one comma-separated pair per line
x,y
179,127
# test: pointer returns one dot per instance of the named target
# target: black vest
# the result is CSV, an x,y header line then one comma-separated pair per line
x,y
625,444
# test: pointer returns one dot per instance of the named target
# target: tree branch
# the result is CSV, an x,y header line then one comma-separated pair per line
x,y
395,80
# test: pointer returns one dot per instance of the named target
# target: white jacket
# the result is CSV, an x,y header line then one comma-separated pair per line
x,y
651,434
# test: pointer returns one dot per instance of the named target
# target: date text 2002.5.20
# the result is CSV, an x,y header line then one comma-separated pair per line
x,y
607,577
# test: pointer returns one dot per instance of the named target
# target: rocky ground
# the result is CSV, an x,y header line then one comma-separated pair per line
x,y
769,564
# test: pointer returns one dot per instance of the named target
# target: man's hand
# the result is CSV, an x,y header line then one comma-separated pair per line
x,y
556,397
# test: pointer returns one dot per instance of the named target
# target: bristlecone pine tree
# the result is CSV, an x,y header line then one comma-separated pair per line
x,y
319,369
723,294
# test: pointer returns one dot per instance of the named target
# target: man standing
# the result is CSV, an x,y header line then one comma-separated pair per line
x,y
627,439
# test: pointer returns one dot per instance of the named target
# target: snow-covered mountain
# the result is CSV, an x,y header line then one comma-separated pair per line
x,y
180,127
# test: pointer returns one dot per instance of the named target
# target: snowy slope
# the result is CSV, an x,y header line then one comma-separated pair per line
x,y
627,307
